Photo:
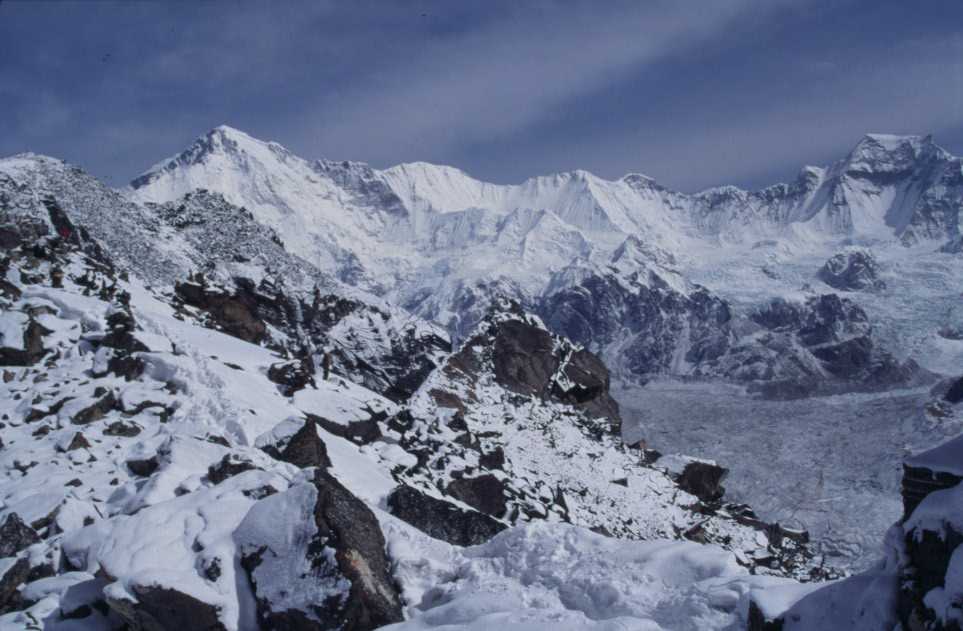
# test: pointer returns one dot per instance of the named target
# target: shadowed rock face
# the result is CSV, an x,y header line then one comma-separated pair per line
x,y
15,536
161,608
704,480
231,313
485,493
441,519
352,529
528,360
303,449
32,350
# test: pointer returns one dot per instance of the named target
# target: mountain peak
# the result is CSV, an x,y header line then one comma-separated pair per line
x,y
889,154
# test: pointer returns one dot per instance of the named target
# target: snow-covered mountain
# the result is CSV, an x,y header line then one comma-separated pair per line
x,y
173,453
444,245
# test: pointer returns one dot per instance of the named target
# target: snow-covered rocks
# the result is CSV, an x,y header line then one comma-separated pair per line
x,y
855,269
316,559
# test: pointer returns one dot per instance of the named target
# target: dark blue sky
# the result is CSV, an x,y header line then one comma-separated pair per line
x,y
692,93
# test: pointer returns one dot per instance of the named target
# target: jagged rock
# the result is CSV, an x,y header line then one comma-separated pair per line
x,y
228,466
78,442
704,480
441,519
485,493
589,386
120,428
853,270
231,313
757,620
29,350
359,432
13,573
292,376
15,536
315,556
303,448
164,608
524,358
97,410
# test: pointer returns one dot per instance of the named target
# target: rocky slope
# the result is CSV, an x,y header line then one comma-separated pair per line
x,y
161,467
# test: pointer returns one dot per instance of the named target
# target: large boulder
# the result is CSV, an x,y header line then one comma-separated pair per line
x,y
21,339
440,519
704,480
15,535
296,441
315,556
485,493
231,313
156,608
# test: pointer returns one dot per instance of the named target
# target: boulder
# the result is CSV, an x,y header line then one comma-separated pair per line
x,y
15,535
96,410
159,608
315,557
359,432
13,573
292,375
302,448
485,493
704,480
26,351
228,466
233,314
440,519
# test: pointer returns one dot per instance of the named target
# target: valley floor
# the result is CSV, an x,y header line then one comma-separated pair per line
x,y
829,464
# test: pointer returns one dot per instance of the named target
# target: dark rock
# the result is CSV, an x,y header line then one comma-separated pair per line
x,y
229,466
440,519
120,428
855,270
493,459
160,608
126,366
929,556
352,529
703,480
302,449
10,580
143,466
954,394
292,376
97,410
15,536
359,432
918,482
485,493
589,390
757,621
32,351
345,526
78,442
524,358
231,313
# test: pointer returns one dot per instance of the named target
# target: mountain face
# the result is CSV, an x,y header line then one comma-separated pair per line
x,y
591,255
